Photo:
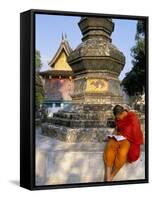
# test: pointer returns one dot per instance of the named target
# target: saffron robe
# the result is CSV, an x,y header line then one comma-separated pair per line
x,y
130,128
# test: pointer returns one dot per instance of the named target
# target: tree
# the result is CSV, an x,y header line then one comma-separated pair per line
x,y
134,81
39,91
38,63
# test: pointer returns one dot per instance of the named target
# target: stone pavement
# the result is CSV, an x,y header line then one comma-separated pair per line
x,y
60,163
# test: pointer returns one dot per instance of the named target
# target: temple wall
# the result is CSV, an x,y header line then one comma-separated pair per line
x,y
58,89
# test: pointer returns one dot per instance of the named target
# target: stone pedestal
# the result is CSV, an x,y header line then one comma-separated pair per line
x,y
80,123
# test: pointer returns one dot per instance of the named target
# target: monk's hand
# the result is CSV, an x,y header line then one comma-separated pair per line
x,y
118,133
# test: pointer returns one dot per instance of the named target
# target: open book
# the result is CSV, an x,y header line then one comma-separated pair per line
x,y
117,137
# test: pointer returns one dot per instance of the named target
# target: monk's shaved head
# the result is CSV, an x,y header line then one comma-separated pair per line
x,y
118,110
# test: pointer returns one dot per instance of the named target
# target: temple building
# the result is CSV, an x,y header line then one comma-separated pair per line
x,y
58,82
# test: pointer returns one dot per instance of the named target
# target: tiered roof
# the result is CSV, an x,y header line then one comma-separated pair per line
x,y
58,65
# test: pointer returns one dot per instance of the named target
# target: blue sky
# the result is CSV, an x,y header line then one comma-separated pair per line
x,y
49,29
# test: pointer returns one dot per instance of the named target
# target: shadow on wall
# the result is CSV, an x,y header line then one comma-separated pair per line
x,y
78,166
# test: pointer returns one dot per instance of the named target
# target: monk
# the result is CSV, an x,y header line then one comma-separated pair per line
x,y
125,144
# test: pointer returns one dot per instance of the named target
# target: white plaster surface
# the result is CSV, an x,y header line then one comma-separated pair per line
x,y
61,163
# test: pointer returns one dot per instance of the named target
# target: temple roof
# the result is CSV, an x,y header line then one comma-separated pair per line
x,y
58,65
56,73
63,46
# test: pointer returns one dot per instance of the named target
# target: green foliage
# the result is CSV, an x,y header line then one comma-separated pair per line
x,y
140,29
134,81
39,95
39,91
38,63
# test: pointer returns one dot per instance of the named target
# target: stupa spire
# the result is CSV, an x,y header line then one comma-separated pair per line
x,y
96,27
97,63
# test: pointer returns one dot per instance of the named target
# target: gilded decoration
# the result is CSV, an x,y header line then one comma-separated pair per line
x,y
97,85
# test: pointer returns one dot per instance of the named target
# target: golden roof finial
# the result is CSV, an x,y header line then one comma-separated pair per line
x,y
62,36
65,36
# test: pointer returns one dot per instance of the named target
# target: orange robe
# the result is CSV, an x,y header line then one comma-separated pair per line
x,y
115,154
130,128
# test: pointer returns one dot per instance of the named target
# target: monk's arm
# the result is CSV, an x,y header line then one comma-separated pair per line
x,y
117,131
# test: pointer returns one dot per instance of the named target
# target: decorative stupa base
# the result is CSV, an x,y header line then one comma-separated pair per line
x,y
76,135
98,98
81,123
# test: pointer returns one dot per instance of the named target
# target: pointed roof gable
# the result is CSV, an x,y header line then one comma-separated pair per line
x,y
59,65
64,46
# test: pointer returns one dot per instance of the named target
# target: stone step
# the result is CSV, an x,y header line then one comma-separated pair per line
x,y
77,123
69,134
91,115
